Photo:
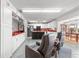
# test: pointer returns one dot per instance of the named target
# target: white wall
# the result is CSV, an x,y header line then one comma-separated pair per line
x,y
72,15
42,25
78,25
6,32
0,28
9,43
52,25
25,28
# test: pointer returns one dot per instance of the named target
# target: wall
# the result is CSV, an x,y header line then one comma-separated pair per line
x,y
42,25
25,28
9,43
52,24
78,25
6,32
72,15
0,28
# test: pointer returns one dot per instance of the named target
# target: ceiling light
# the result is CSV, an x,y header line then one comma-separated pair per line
x,y
48,10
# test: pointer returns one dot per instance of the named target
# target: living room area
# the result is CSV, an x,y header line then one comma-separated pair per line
x,y
69,48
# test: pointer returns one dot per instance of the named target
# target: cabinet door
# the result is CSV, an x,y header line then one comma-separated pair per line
x,y
17,41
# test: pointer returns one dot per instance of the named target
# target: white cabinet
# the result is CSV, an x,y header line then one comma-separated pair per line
x,y
18,40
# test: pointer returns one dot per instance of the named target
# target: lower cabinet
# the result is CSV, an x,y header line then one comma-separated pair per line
x,y
17,41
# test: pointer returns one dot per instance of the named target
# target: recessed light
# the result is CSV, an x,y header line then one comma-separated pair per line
x,y
44,10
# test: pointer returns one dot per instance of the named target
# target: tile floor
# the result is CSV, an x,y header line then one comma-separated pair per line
x,y
74,48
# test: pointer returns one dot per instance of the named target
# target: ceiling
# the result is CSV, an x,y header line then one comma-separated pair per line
x,y
66,5
76,21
